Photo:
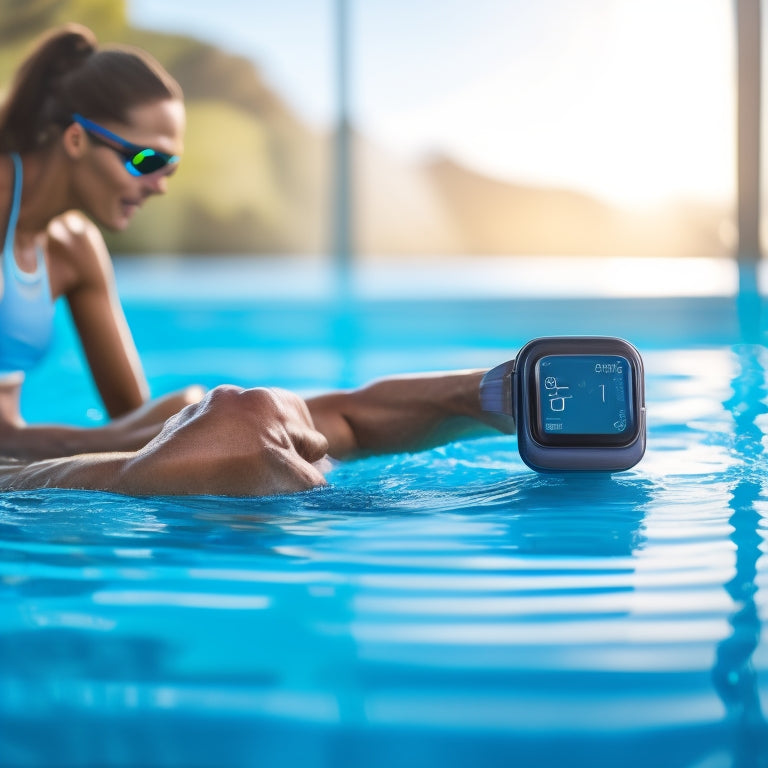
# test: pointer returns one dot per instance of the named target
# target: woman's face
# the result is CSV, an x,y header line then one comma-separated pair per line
x,y
105,189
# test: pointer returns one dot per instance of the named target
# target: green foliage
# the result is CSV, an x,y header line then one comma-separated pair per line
x,y
25,18
22,20
226,196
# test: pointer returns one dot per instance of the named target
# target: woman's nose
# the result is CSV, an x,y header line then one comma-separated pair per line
x,y
155,183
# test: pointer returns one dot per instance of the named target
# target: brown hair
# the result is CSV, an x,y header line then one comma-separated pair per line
x,y
68,72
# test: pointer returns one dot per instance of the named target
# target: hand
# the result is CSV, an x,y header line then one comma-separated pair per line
x,y
234,442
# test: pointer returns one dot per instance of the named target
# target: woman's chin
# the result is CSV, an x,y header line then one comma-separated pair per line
x,y
116,223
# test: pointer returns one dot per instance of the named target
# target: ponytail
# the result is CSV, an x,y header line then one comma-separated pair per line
x,y
24,116
68,73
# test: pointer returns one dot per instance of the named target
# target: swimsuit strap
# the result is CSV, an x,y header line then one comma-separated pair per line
x,y
15,203
8,251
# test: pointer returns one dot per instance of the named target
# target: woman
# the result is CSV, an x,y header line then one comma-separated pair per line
x,y
87,136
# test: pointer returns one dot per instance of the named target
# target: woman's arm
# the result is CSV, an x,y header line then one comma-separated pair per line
x,y
255,442
404,413
81,271
126,433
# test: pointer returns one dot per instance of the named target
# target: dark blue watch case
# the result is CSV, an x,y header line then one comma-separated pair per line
x,y
578,403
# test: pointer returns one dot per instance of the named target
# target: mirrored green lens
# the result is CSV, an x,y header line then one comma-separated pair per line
x,y
148,161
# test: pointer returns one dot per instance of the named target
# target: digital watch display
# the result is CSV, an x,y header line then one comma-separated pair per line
x,y
578,402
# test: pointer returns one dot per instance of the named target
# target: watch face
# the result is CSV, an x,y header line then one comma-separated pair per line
x,y
583,399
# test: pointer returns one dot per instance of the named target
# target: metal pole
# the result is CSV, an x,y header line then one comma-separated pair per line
x,y
748,131
748,302
342,181
344,324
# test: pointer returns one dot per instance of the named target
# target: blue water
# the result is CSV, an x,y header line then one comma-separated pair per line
x,y
443,608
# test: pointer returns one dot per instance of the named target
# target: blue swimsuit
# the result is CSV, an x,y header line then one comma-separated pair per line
x,y
26,308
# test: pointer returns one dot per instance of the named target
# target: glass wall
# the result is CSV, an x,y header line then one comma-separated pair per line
x,y
603,127
478,127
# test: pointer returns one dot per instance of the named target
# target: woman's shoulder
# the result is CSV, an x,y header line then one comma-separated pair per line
x,y
74,233
76,249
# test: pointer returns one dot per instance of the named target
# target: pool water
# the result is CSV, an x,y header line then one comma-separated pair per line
x,y
448,607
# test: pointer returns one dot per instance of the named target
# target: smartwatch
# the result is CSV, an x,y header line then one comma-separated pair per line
x,y
578,403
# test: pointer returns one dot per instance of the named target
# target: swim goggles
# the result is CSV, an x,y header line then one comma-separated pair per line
x,y
139,161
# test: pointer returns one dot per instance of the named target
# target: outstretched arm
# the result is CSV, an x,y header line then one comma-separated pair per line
x,y
257,442
403,413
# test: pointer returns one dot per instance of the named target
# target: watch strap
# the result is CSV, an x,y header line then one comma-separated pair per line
x,y
496,389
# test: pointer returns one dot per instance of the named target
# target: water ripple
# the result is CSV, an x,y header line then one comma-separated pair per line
x,y
451,590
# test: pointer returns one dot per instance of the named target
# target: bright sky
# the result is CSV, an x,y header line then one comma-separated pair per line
x,y
632,100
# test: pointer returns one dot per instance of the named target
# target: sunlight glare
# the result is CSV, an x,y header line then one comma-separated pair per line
x,y
630,101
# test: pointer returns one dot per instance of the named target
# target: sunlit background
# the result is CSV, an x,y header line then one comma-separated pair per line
x,y
629,100
503,127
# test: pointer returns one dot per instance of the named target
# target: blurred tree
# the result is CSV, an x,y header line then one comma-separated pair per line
x,y
24,19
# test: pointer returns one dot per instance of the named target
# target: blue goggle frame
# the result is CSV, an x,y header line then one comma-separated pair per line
x,y
139,161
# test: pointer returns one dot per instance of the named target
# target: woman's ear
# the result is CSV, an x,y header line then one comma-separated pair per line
x,y
74,141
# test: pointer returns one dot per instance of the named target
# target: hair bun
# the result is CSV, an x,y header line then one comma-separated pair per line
x,y
69,46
